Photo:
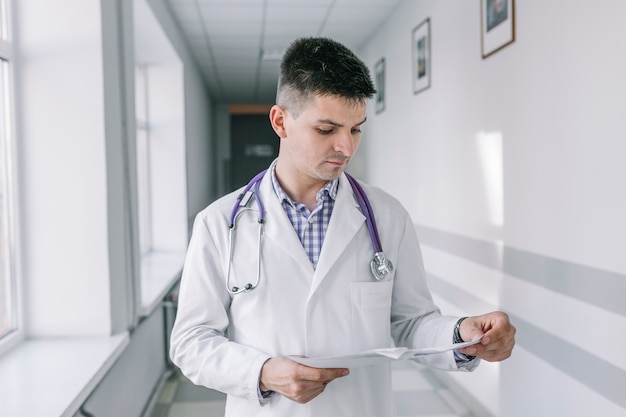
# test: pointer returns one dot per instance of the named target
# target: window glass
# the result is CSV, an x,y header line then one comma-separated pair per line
x,y
144,186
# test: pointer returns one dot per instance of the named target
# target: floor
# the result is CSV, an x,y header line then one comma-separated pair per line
x,y
416,392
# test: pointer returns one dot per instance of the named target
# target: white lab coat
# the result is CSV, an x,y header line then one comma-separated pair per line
x,y
221,341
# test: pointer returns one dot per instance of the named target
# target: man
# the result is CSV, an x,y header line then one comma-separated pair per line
x,y
315,294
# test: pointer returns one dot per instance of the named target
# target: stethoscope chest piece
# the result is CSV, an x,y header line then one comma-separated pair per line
x,y
381,266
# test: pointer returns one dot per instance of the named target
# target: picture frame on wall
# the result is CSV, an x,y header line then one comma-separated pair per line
x,y
420,41
497,20
379,84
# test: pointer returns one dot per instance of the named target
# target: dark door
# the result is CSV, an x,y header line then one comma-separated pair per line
x,y
254,145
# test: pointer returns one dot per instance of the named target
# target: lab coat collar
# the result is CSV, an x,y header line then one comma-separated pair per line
x,y
279,229
345,222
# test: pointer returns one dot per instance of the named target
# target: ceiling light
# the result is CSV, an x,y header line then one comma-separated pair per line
x,y
272,54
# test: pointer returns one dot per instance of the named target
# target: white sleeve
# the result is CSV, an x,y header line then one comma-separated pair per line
x,y
199,346
416,322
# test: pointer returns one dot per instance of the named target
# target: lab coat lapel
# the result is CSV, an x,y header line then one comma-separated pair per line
x,y
279,229
345,222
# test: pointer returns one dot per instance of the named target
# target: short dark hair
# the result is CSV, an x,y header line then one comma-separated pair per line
x,y
321,66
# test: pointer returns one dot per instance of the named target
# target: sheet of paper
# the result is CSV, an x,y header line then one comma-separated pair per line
x,y
375,356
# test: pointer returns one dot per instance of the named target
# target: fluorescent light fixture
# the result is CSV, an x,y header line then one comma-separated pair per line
x,y
272,54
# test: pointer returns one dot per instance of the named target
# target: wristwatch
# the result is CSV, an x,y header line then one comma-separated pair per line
x,y
456,337
457,333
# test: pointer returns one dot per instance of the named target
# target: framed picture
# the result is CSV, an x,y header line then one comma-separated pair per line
x,y
421,56
497,25
379,73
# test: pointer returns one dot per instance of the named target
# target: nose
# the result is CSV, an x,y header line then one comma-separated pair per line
x,y
345,143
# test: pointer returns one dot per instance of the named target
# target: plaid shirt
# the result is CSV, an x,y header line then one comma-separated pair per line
x,y
310,226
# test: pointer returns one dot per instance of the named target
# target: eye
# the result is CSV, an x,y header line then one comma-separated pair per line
x,y
325,131
356,131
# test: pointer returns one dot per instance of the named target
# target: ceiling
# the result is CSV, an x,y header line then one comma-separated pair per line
x,y
238,43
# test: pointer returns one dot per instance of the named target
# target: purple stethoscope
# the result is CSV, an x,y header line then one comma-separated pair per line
x,y
380,265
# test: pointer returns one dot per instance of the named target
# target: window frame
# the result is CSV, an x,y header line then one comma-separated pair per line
x,y
9,180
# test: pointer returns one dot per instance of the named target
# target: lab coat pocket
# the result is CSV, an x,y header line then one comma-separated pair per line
x,y
371,310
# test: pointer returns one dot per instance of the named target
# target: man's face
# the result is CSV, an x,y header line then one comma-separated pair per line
x,y
319,142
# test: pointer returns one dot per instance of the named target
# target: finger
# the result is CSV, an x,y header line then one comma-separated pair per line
x,y
322,374
306,396
499,333
497,355
493,325
496,338
312,382
472,328
495,351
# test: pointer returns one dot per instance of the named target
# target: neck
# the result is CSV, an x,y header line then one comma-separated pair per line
x,y
298,187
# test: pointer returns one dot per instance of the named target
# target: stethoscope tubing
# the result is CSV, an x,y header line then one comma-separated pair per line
x,y
380,265
254,182
370,220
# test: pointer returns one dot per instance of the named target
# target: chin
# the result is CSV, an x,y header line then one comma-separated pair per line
x,y
329,173
335,174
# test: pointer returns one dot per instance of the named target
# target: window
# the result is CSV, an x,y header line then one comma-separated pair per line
x,y
160,139
8,280
160,161
144,201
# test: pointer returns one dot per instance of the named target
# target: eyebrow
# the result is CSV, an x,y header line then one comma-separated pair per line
x,y
330,122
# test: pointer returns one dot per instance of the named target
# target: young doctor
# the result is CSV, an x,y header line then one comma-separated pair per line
x,y
294,274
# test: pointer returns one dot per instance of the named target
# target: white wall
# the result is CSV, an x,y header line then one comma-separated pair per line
x,y
200,135
513,170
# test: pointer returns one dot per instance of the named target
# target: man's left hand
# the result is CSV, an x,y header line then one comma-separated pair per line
x,y
496,332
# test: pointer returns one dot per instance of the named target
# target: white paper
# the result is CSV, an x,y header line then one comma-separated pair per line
x,y
375,356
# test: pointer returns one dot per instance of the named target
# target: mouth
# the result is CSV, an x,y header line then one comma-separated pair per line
x,y
338,162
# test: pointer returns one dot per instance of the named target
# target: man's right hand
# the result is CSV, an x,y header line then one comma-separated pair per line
x,y
295,381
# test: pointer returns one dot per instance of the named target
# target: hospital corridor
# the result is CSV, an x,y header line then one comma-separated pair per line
x,y
372,208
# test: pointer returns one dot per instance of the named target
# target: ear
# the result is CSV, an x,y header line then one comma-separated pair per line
x,y
277,118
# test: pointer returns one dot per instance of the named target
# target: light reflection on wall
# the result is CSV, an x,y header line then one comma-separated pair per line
x,y
490,153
